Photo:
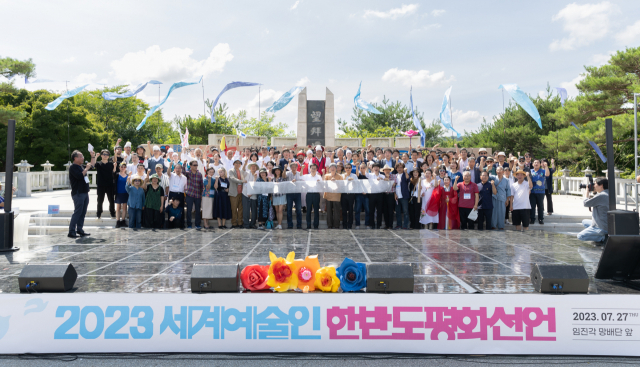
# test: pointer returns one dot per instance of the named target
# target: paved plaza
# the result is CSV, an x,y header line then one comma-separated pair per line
x,y
124,260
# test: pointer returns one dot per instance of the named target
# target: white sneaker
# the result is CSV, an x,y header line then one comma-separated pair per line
x,y
357,227
279,227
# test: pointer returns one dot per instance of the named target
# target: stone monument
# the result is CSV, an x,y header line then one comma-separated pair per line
x,y
316,121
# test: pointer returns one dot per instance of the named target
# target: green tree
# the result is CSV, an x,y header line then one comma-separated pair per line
x,y
515,131
121,117
395,119
10,67
200,127
264,126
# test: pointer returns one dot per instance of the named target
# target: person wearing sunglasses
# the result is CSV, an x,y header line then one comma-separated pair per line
x,y
106,169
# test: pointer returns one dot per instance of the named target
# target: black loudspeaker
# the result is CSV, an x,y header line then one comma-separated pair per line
x,y
215,278
389,278
551,278
623,222
47,278
620,258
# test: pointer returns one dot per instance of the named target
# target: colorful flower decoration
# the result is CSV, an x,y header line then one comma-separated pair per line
x,y
352,275
326,279
411,133
306,271
282,272
254,277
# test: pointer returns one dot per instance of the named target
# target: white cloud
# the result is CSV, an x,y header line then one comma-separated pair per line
x,y
303,82
601,59
393,13
170,65
572,91
630,36
70,59
264,99
85,78
437,12
469,120
100,53
415,78
295,5
428,27
585,24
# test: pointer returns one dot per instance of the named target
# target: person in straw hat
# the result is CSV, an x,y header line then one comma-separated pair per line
x,y
136,201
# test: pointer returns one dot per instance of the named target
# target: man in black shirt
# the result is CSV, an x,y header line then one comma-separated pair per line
x,y
106,186
79,192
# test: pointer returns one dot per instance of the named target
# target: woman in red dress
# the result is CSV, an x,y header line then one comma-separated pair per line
x,y
448,205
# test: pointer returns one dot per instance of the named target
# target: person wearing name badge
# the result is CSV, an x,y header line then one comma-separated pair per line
x,y
294,198
539,178
520,204
236,180
177,184
449,218
222,205
250,206
468,198
79,192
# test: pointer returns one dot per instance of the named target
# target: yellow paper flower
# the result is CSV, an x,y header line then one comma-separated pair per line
x,y
282,272
306,272
326,279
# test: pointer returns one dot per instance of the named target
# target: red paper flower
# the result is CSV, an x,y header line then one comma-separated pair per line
x,y
254,277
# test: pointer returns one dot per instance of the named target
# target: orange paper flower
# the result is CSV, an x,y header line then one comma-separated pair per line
x,y
282,272
306,272
326,279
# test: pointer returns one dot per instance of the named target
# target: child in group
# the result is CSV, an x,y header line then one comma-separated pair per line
x,y
174,212
136,201
154,204
222,203
208,197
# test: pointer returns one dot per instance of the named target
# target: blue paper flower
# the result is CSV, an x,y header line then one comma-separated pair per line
x,y
352,275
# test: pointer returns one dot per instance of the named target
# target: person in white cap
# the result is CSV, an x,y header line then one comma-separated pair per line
x,y
502,160
127,152
156,158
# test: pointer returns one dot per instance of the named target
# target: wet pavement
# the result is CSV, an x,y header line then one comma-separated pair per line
x,y
125,260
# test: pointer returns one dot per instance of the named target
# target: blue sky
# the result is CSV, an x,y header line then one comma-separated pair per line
x,y
473,46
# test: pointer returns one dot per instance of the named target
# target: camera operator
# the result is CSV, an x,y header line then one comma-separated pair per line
x,y
596,228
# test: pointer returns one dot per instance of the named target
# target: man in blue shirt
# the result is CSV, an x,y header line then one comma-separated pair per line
x,y
486,190
536,198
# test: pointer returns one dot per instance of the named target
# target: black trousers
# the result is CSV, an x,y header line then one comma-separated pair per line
x,y
484,216
178,196
388,208
109,191
375,209
347,201
536,200
465,223
549,196
313,204
153,218
414,213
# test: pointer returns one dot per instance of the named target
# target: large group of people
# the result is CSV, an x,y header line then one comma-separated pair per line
x,y
205,188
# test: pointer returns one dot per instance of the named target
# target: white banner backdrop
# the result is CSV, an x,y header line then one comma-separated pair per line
x,y
294,322
337,187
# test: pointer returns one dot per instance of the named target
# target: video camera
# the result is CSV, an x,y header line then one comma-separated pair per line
x,y
588,186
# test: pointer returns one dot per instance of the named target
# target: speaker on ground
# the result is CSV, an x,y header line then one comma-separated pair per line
x,y
47,278
389,278
215,278
552,278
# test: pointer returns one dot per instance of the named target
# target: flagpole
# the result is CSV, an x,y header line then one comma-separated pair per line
x,y
68,124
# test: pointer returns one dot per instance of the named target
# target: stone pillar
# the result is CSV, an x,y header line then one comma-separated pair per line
x,y
302,118
329,121
47,178
67,165
615,170
24,181
565,182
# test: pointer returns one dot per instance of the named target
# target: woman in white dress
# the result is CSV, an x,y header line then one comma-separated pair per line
x,y
216,165
428,184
